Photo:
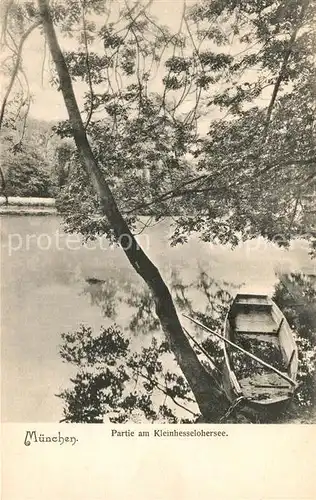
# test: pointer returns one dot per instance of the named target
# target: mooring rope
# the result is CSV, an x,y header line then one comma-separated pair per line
x,y
232,408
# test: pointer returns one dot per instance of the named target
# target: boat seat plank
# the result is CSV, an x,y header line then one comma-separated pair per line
x,y
260,337
255,321
252,299
246,306
265,386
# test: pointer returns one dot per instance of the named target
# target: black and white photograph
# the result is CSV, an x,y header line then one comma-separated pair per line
x,y
158,212
158,249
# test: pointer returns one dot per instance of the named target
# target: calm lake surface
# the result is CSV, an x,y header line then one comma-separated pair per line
x,y
44,277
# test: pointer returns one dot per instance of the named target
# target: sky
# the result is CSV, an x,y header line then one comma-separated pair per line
x,y
47,102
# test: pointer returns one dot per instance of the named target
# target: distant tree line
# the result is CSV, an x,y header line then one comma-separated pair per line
x,y
35,165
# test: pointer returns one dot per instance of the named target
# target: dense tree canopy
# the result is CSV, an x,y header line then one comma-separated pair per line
x,y
254,172
215,121
259,156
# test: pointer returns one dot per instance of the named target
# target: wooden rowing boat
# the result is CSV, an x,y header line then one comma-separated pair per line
x,y
256,324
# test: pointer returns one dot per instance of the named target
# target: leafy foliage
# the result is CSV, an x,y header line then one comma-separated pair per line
x,y
26,175
243,70
144,155
252,174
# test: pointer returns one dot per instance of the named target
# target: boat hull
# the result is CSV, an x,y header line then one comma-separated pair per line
x,y
257,318
254,409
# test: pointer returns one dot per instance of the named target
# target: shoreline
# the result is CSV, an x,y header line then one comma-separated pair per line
x,y
18,205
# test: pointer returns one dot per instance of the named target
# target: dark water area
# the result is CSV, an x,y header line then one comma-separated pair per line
x,y
51,283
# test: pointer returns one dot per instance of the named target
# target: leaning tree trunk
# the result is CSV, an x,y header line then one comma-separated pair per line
x,y
209,398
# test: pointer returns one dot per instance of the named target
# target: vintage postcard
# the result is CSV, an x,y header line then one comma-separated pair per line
x,y
158,249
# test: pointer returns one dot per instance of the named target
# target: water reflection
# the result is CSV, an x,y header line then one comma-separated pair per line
x,y
46,292
102,294
204,297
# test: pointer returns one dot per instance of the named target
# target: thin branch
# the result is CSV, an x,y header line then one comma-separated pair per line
x,y
139,79
283,68
309,178
166,195
87,62
294,210
5,21
308,161
43,64
16,69
28,104
163,101
165,391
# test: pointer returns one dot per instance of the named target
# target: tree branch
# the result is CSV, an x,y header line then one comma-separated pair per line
x,y
16,68
165,391
177,193
283,68
167,194
89,116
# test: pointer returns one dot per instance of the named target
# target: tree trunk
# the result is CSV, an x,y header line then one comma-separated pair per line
x,y
209,398
4,186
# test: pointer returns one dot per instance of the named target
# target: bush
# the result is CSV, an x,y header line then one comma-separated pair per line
x,y
25,177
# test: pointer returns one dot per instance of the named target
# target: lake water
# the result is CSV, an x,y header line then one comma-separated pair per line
x,y
44,277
